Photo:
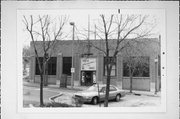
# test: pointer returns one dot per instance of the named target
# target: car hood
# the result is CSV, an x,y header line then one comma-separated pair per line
x,y
86,93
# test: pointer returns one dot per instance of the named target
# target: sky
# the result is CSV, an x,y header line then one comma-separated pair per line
x,y
80,18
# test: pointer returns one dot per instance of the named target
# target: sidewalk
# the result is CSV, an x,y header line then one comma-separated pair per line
x,y
147,93
137,92
77,88
80,88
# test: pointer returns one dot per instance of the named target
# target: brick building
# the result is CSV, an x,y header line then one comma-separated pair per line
x,y
92,68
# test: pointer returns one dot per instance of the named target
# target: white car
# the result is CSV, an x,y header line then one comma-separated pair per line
x,y
91,94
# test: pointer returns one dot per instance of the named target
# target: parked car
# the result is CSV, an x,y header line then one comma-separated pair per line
x,y
91,94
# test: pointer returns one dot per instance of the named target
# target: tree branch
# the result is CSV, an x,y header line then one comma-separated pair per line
x,y
98,48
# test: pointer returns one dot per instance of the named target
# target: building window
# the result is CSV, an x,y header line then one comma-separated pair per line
x,y
113,70
67,62
51,67
139,66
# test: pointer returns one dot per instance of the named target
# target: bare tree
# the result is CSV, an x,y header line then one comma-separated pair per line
x,y
48,32
124,31
135,62
26,55
26,51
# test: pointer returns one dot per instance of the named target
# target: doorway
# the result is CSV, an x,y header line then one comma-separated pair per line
x,y
87,78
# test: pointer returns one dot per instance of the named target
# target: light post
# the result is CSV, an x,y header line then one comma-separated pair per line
x,y
156,73
72,49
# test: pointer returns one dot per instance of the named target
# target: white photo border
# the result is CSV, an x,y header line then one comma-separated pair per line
x,y
163,112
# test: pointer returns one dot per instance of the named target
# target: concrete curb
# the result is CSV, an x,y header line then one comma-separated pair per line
x,y
51,99
75,104
139,93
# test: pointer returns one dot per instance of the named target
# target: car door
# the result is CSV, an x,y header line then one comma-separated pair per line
x,y
112,92
102,93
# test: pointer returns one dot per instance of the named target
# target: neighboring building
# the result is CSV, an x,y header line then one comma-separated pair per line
x,y
89,70
26,66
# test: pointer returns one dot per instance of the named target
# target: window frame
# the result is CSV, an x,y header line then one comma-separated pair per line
x,y
114,61
65,63
49,65
53,66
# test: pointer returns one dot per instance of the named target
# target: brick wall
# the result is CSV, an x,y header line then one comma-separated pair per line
x,y
63,49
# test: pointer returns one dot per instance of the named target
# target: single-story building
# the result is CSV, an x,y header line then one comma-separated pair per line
x,y
91,68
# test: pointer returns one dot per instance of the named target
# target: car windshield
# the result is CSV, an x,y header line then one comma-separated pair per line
x,y
94,88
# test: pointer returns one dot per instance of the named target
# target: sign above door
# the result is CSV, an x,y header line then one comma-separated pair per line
x,y
88,64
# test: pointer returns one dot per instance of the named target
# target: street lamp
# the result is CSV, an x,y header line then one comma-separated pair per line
x,y
72,49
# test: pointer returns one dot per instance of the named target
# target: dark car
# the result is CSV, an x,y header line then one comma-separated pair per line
x,y
91,94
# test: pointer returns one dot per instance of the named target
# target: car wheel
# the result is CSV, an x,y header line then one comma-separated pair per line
x,y
118,98
94,100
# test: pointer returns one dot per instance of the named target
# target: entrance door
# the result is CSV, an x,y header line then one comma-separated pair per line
x,y
87,78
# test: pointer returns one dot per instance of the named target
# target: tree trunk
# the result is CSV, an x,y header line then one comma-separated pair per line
x,y
130,83
131,77
42,75
41,91
107,92
99,94
45,74
107,84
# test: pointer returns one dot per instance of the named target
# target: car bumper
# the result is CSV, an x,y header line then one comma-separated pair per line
x,y
84,99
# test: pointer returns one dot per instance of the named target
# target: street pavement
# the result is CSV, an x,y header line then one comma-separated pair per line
x,y
31,95
136,99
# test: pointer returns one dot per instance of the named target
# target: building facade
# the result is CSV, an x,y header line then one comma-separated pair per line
x,y
89,69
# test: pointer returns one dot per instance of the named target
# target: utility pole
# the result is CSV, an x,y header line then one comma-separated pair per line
x,y
88,35
157,61
72,49
156,74
88,40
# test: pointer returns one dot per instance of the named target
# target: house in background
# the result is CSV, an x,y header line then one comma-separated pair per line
x,y
91,69
26,66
